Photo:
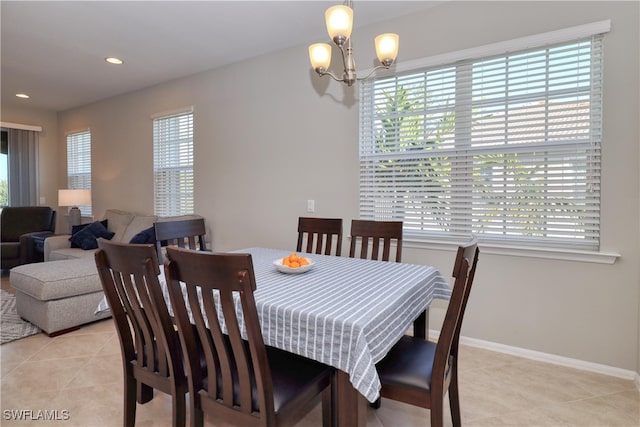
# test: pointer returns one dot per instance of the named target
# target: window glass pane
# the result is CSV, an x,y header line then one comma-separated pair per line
x,y
505,147
79,164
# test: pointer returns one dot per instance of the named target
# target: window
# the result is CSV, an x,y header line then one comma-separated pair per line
x,y
173,164
79,164
506,147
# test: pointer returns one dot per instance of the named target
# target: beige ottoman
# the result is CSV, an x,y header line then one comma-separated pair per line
x,y
58,296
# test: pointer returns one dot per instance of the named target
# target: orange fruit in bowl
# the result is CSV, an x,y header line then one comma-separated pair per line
x,y
294,261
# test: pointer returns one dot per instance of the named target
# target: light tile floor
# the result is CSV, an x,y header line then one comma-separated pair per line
x,y
80,375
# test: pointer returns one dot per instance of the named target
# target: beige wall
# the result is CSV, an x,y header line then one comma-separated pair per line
x,y
269,135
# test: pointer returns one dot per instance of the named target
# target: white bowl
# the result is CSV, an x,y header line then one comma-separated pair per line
x,y
288,270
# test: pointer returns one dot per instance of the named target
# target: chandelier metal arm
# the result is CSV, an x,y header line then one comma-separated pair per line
x,y
330,74
322,72
373,71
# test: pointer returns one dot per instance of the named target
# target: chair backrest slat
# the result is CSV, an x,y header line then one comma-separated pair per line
x,y
135,293
381,235
318,234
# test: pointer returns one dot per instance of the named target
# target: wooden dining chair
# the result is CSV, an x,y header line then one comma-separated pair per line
x,y
151,353
380,234
317,235
184,234
420,372
244,382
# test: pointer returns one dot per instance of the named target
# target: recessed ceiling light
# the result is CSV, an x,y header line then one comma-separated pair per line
x,y
112,60
22,95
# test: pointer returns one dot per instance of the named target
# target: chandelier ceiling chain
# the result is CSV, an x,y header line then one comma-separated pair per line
x,y
339,20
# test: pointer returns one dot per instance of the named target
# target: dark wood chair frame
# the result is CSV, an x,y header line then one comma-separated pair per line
x,y
188,233
386,232
151,352
439,371
320,234
238,384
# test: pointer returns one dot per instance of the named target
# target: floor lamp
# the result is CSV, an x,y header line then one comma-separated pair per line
x,y
74,198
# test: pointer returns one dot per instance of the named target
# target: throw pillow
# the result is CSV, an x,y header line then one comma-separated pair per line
x,y
76,228
86,238
148,235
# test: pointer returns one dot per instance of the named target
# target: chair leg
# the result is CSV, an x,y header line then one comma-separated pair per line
x,y
197,416
377,404
130,385
144,393
454,398
436,411
328,408
179,409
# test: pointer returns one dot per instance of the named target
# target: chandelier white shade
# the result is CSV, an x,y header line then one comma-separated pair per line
x,y
339,21
320,56
387,48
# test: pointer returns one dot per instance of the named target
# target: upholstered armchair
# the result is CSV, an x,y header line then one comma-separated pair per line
x,y
17,226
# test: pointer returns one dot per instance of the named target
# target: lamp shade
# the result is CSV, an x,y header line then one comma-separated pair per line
x,y
74,197
387,48
320,55
339,21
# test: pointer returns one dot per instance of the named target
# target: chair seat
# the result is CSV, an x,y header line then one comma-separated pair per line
x,y
409,363
291,375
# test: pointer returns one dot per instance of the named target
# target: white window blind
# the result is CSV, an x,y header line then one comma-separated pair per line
x,y
505,147
79,164
173,164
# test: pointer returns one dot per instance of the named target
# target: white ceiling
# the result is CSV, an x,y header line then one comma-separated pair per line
x,y
54,50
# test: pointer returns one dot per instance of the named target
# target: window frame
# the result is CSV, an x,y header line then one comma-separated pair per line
x,y
173,158
527,43
78,161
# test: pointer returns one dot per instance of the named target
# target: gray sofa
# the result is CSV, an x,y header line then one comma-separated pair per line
x,y
63,292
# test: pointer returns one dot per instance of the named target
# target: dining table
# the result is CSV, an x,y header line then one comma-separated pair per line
x,y
343,312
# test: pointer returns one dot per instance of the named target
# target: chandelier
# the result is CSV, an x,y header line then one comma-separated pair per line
x,y
339,20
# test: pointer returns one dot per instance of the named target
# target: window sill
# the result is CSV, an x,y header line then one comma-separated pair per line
x,y
521,251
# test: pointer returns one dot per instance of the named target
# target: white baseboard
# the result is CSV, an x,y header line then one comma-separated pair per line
x,y
549,358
